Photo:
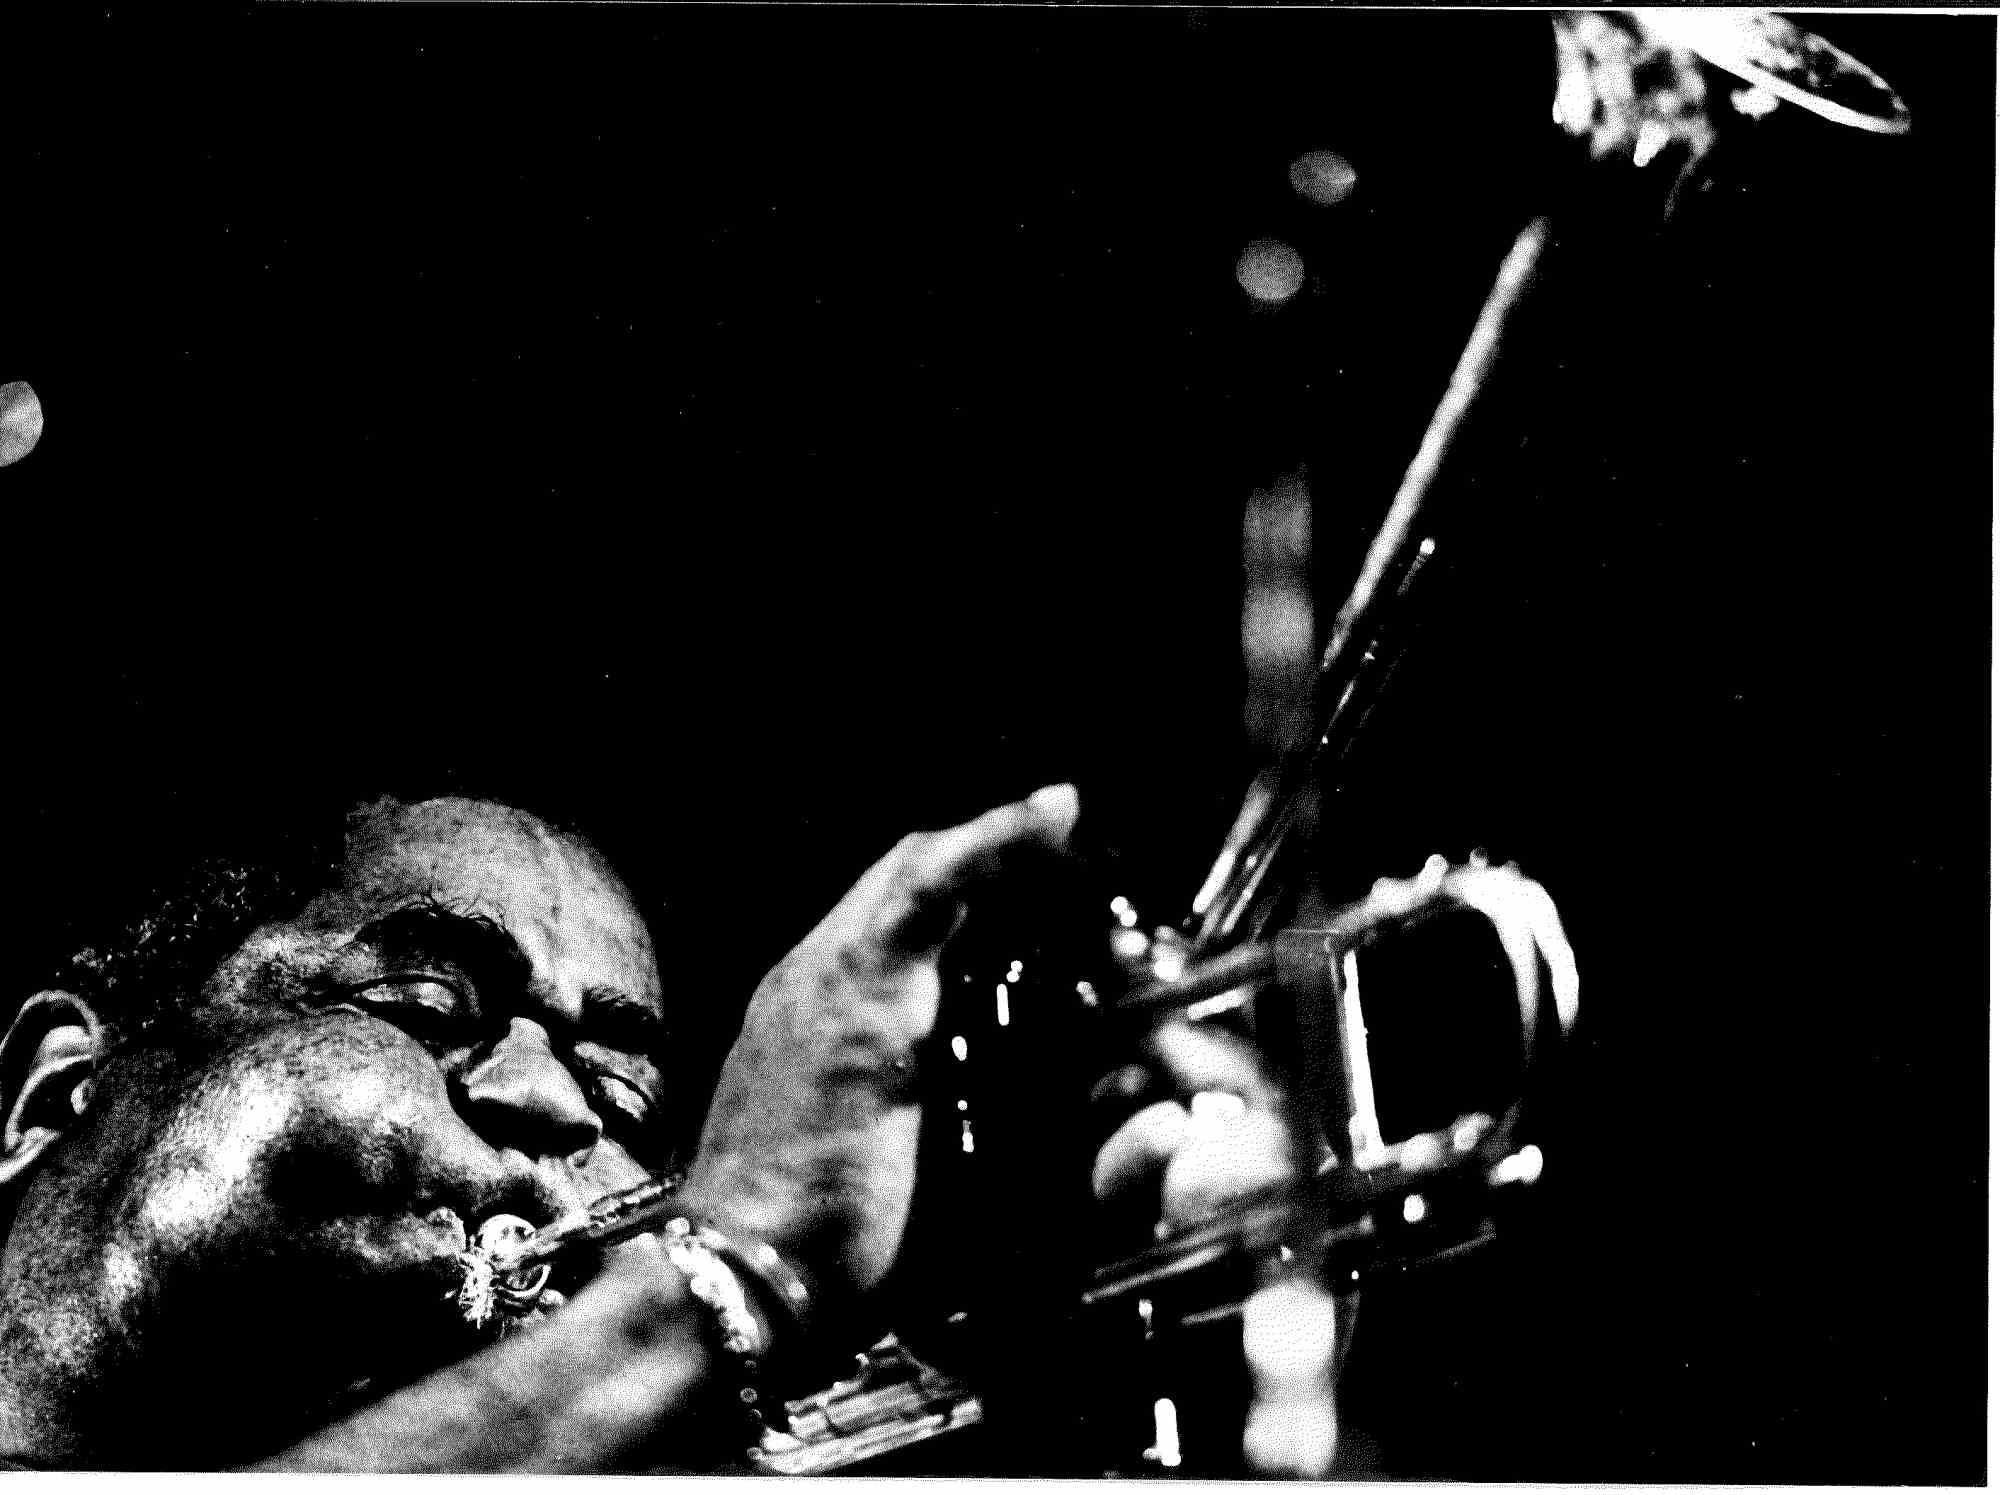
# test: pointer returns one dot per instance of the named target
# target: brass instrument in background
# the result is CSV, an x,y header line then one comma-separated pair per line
x,y
1631,84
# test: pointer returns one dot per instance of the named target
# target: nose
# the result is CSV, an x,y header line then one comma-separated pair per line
x,y
521,1095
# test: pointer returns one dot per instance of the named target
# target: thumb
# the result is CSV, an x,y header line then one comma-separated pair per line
x,y
940,868
1291,1346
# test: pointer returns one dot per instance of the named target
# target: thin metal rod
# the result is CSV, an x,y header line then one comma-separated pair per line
x,y
1244,966
1356,661
609,1220
1467,379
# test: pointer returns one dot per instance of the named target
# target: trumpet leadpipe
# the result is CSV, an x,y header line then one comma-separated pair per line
x,y
605,1222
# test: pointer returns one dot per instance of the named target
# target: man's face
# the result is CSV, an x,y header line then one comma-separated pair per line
x,y
258,1217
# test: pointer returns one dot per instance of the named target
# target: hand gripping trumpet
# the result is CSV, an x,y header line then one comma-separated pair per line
x,y
1370,1205
1373,1204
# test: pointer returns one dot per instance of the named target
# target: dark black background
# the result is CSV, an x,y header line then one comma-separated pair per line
x,y
755,433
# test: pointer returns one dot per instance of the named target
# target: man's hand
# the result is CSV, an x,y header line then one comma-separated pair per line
x,y
1182,1161
811,1139
621,1379
810,1142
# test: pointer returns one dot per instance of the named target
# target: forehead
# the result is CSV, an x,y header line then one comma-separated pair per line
x,y
552,892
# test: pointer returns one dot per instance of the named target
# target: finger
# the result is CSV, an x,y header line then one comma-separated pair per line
x,y
1398,897
1127,1085
1564,982
1137,1154
937,870
1525,918
1120,1095
1221,1163
1198,1058
1291,1345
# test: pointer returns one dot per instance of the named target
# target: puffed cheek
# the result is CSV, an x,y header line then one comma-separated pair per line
x,y
363,1076
339,1098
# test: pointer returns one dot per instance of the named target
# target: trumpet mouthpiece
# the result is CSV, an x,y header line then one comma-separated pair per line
x,y
491,1283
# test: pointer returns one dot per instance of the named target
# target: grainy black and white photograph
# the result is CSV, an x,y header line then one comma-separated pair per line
x,y
1147,743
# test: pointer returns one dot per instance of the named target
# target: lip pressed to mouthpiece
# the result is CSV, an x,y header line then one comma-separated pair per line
x,y
488,1286
508,1263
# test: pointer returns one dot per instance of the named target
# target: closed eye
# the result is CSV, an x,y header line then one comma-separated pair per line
x,y
430,1009
624,1090
625,1099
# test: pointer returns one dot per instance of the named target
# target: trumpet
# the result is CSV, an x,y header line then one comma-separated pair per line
x,y
1372,1207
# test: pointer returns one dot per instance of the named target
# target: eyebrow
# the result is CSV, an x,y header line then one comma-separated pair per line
x,y
476,944
481,947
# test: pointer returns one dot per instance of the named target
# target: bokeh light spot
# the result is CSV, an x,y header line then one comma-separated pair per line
x,y
1324,177
1271,271
20,421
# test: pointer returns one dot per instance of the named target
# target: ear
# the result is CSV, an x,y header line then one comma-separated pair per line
x,y
46,1062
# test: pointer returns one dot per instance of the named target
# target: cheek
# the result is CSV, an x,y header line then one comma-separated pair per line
x,y
329,1116
610,1169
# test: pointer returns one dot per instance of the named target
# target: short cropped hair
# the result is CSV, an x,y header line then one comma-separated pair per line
x,y
156,964
137,969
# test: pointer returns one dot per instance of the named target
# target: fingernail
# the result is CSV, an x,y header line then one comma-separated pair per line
x,y
1057,802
